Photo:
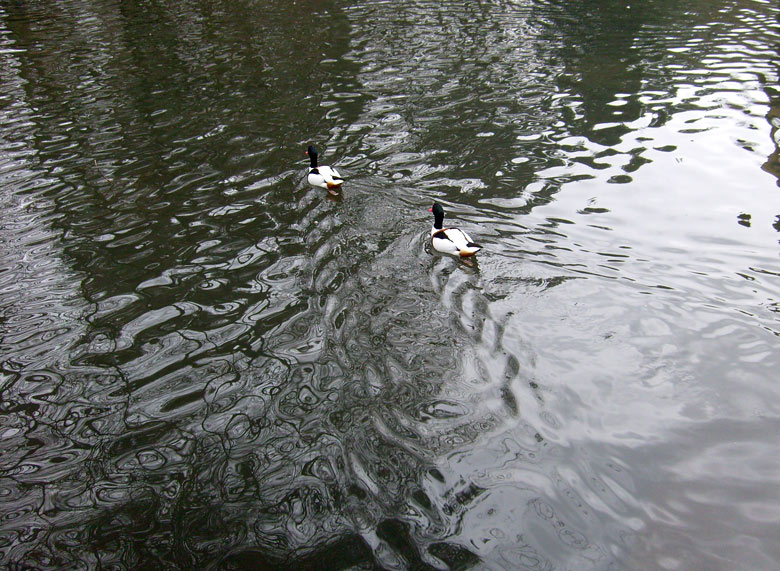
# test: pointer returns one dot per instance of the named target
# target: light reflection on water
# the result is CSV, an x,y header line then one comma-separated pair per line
x,y
206,363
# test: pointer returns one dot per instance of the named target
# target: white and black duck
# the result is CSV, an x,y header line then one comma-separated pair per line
x,y
321,175
451,241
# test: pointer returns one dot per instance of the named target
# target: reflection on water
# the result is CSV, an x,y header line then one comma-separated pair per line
x,y
206,363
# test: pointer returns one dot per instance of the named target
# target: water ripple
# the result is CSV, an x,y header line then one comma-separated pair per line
x,y
207,363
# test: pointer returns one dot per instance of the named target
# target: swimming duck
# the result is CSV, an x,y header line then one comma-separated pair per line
x,y
323,176
450,240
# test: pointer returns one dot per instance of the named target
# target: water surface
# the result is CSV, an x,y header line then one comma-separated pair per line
x,y
204,363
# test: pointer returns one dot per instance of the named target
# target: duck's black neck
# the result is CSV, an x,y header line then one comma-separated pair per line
x,y
438,220
313,158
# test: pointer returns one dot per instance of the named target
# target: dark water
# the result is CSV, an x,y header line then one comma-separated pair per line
x,y
206,364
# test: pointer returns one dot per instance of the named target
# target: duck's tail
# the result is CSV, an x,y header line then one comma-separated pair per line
x,y
470,249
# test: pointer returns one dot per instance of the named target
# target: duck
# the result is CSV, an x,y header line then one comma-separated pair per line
x,y
323,176
451,241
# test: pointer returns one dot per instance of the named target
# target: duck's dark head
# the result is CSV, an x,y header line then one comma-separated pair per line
x,y
312,152
438,214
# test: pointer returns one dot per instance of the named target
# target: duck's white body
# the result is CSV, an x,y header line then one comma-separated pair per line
x,y
451,241
323,176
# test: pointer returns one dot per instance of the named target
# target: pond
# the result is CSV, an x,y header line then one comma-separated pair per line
x,y
205,363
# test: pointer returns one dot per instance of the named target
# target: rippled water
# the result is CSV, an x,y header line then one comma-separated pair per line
x,y
205,363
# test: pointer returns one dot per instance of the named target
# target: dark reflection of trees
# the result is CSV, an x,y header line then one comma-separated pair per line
x,y
612,49
596,40
495,68
153,117
145,115
601,56
772,164
156,119
166,102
